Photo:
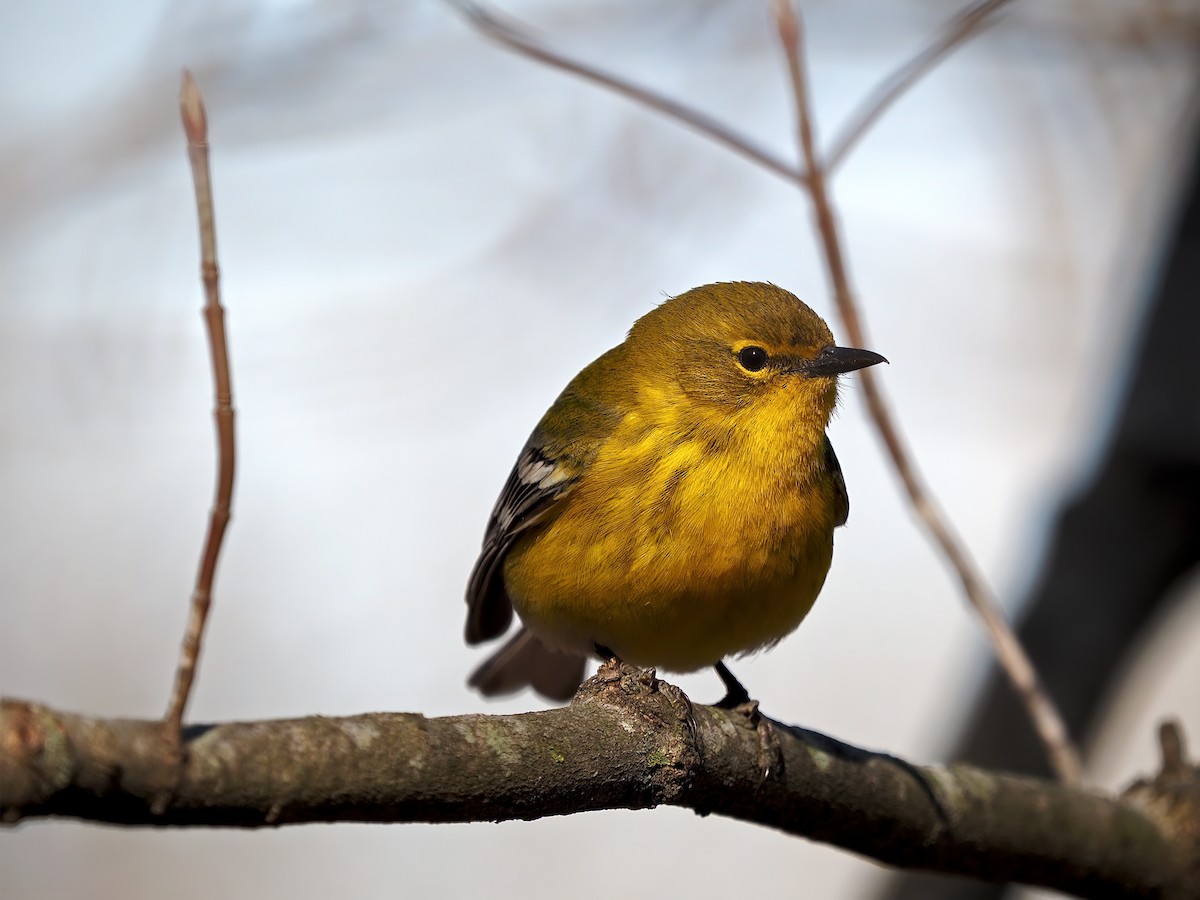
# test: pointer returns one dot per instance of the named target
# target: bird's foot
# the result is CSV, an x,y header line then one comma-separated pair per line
x,y
770,752
613,669
734,700
682,704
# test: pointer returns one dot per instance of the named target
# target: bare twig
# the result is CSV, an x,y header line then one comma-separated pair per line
x,y
503,32
195,125
895,85
1012,657
398,767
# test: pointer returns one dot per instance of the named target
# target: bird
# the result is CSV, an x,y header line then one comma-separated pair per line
x,y
676,504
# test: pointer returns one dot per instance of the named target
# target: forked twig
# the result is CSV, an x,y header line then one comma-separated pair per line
x,y
895,85
1012,656
499,30
874,105
195,126
1046,719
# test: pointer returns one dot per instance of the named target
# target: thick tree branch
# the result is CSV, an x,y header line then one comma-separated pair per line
x,y
625,742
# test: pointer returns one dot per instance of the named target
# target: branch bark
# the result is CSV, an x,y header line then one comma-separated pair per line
x,y
625,742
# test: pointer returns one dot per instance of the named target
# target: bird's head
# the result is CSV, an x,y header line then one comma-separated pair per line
x,y
746,345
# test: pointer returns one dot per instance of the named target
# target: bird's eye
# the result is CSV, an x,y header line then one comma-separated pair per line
x,y
752,359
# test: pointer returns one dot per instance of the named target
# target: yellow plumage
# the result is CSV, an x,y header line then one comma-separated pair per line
x,y
677,503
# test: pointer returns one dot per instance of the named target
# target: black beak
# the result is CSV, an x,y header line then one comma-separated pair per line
x,y
840,360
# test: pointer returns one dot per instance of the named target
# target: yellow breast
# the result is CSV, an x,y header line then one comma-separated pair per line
x,y
684,542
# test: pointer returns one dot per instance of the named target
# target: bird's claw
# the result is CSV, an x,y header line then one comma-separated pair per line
x,y
684,707
770,753
613,669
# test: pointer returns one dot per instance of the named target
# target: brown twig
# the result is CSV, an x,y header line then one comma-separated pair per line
x,y
195,126
1046,719
496,28
895,85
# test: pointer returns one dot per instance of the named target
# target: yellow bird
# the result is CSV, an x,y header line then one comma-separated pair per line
x,y
676,504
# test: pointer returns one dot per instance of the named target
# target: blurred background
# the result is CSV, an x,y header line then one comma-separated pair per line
x,y
422,238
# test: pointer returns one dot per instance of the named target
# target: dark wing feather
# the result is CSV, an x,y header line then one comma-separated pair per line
x,y
834,468
529,496
555,457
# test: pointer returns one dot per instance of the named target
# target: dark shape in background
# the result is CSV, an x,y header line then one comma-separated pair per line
x,y
1118,547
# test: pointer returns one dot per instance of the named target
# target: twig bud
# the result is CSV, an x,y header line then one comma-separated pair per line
x,y
191,109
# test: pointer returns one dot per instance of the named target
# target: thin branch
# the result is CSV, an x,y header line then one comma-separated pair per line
x,y
622,744
895,85
195,125
496,28
1012,656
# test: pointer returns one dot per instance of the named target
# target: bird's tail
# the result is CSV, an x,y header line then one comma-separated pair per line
x,y
524,660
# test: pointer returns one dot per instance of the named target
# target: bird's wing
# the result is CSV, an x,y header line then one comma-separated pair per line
x,y
842,498
553,460
534,487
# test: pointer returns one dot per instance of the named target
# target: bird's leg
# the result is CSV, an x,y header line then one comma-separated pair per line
x,y
735,694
